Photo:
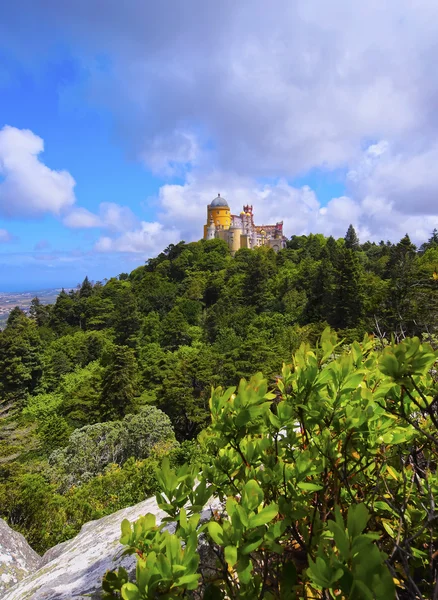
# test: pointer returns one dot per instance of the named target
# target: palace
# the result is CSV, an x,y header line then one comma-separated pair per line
x,y
239,231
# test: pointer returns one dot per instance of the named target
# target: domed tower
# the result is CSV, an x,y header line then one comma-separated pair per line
x,y
211,231
218,211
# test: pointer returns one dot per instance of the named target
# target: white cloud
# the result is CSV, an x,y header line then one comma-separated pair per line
x,y
208,90
111,216
271,90
80,217
375,217
169,154
5,236
116,217
183,212
407,180
147,239
276,89
29,188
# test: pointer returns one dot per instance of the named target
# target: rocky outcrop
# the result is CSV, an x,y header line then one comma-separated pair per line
x,y
74,569
17,559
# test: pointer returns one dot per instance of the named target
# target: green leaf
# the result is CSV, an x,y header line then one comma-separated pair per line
x,y
243,515
341,539
216,532
251,546
357,519
231,506
188,579
317,572
388,528
130,592
310,487
244,570
252,494
264,516
243,417
364,590
231,555
126,531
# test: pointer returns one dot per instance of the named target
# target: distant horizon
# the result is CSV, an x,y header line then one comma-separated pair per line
x,y
39,290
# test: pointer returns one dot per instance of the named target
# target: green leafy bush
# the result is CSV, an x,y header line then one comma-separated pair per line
x,y
327,482
92,448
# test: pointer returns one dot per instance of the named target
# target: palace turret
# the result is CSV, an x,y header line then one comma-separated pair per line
x,y
239,231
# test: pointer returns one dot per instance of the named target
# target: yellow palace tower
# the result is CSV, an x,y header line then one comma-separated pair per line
x,y
239,231
218,214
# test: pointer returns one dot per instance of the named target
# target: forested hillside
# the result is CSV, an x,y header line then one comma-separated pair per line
x,y
98,387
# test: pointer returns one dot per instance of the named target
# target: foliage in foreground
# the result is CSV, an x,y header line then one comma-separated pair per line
x,y
328,485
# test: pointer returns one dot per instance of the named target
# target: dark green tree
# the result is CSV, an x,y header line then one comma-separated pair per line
x,y
119,385
127,318
402,272
40,313
54,433
20,356
64,315
86,289
348,294
432,242
351,239
15,318
174,330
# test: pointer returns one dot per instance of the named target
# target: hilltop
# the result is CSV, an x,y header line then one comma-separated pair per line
x,y
98,387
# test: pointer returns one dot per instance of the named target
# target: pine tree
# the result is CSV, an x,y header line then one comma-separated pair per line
x,y
15,317
64,313
351,239
402,272
432,242
348,298
20,356
54,433
39,312
86,289
127,319
119,383
174,330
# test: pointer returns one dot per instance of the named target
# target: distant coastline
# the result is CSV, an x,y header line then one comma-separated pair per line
x,y
8,300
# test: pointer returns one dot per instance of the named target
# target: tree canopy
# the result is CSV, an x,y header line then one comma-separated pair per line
x,y
105,355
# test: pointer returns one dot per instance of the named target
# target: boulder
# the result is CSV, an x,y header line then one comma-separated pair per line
x,y
17,559
74,569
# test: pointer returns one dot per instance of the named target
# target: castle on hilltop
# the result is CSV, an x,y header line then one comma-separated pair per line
x,y
239,231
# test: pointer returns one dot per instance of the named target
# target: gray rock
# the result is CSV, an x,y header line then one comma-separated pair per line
x,y
17,559
74,569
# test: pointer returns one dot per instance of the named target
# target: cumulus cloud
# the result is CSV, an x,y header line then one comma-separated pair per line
x,y
5,236
28,187
80,217
272,90
213,89
148,239
169,154
375,217
111,216
409,182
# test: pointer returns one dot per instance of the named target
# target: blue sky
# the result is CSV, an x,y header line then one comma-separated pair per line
x,y
118,124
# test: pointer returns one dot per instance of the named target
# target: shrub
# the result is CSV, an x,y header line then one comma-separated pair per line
x,y
328,484
91,448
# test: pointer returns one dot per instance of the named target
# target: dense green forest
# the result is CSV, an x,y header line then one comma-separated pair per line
x,y
98,387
